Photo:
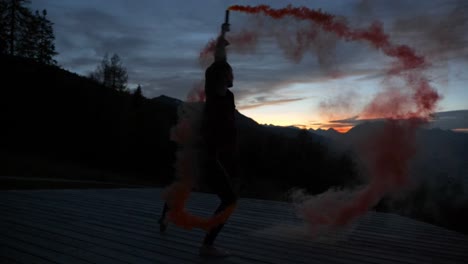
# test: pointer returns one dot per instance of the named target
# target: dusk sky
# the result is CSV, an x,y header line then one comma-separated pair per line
x,y
159,43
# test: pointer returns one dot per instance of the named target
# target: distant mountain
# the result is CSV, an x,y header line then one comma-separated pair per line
x,y
241,119
288,131
329,133
163,99
446,121
439,152
450,120
292,132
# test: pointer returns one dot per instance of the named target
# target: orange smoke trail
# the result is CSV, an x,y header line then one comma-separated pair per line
x,y
240,42
424,96
387,152
186,134
374,34
177,195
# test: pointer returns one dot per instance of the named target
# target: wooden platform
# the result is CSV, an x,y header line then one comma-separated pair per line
x,y
120,226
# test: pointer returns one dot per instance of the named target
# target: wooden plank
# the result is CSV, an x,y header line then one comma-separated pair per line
x,y
40,251
127,245
150,246
247,256
132,213
99,250
41,210
86,254
9,254
408,229
425,245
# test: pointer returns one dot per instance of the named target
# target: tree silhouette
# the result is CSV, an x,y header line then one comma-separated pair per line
x,y
25,34
111,73
3,27
45,47
25,45
15,17
137,97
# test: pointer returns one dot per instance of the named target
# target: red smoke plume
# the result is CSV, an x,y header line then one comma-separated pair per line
x,y
386,154
239,42
374,34
186,134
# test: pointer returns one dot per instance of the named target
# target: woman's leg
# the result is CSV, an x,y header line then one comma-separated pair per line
x,y
220,184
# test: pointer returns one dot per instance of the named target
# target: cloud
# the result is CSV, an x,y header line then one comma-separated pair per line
x,y
174,85
350,120
452,120
441,35
90,28
449,120
162,35
159,42
345,123
262,101
342,104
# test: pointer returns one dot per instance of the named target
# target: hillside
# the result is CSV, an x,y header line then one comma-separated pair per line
x,y
53,116
61,125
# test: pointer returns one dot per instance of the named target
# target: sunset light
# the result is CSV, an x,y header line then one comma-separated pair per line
x,y
225,131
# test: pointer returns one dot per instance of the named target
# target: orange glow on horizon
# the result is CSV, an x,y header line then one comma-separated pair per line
x,y
460,130
294,115
325,126
343,129
299,120
340,129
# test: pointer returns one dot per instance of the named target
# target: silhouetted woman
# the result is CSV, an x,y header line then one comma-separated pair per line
x,y
219,134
